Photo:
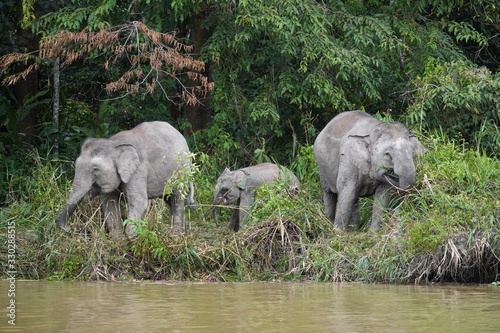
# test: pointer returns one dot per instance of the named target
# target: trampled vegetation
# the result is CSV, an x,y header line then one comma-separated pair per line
x,y
248,82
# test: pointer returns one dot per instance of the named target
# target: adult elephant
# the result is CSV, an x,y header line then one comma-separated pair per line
x,y
134,164
239,186
360,156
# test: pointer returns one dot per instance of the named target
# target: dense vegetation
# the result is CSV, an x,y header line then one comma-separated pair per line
x,y
246,82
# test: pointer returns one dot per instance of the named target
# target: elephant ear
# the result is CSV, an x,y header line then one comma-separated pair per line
x,y
356,150
241,179
127,161
89,143
418,148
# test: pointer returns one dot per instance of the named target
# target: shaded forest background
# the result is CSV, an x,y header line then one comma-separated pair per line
x,y
246,80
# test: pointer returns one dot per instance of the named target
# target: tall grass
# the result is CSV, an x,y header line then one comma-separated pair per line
x,y
446,228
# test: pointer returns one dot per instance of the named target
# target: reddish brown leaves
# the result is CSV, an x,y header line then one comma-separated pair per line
x,y
152,56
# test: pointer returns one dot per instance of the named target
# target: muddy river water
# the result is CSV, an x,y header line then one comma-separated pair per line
x,y
249,307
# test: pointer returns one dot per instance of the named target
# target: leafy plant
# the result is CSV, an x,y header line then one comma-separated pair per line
x,y
182,178
467,100
146,245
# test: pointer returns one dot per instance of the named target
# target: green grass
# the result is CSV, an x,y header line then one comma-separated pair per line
x,y
445,229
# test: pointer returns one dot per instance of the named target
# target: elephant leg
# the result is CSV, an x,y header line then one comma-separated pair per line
x,y
234,221
381,201
112,214
345,205
355,216
244,204
137,208
242,215
330,201
176,205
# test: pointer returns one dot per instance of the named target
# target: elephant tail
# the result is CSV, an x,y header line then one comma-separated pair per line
x,y
215,208
192,203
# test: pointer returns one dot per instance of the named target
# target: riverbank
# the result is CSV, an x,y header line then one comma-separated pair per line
x,y
445,229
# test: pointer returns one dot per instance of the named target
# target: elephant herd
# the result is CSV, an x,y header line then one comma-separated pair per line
x,y
357,156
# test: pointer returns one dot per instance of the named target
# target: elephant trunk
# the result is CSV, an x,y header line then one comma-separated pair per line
x,y
78,191
216,203
65,215
406,175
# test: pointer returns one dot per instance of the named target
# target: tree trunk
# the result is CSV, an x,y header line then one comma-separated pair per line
x,y
198,116
55,107
27,87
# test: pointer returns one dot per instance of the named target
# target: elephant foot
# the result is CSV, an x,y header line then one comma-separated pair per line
x,y
234,226
338,226
130,231
177,230
350,227
374,227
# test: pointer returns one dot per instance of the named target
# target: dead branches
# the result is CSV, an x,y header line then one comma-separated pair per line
x,y
152,58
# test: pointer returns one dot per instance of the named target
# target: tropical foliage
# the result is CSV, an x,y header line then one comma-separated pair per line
x,y
275,65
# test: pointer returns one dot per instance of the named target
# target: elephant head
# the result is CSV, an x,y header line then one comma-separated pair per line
x,y
390,150
228,188
100,169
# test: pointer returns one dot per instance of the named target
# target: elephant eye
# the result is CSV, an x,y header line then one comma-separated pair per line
x,y
388,156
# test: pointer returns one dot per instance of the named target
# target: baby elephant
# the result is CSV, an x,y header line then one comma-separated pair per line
x,y
239,186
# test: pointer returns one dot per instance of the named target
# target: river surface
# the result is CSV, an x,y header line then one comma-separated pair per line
x,y
249,307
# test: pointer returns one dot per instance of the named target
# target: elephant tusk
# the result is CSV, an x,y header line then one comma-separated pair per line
x,y
391,176
394,181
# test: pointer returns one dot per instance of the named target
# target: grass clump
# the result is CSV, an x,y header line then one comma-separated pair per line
x,y
451,225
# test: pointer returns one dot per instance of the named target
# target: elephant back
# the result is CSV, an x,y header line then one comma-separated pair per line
x,y
344,123
270,172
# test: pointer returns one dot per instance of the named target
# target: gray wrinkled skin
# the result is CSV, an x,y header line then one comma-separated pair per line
x,y
239,187
360,156
134,165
